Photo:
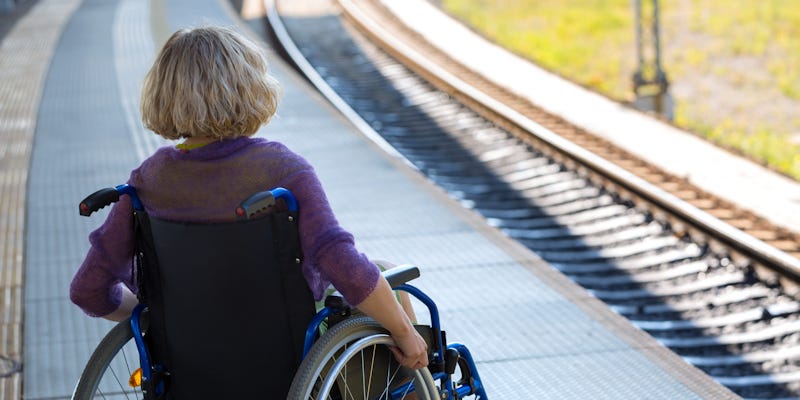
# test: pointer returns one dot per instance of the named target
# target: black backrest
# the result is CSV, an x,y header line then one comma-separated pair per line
x,y
228,303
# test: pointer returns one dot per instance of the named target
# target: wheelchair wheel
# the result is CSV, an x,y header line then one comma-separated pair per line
x,y
351,361
110,368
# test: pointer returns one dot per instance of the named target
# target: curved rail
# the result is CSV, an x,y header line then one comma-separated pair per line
x,y
750,247
605,228
309,72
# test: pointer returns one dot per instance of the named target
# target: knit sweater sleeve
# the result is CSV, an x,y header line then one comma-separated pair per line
x,y
329,250
95,288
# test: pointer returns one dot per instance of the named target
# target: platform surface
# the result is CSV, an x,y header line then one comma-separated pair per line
x,y
533,332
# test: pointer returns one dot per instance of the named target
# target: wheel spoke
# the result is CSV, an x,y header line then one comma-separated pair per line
x,y
357,350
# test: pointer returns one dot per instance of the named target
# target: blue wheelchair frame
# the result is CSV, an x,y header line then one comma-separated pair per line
x,y
473,386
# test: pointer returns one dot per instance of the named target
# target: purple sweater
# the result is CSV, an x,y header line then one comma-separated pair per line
x,y
206,185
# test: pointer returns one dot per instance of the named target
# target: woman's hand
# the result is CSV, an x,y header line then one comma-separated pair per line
x,y
129,302
382,306
411,350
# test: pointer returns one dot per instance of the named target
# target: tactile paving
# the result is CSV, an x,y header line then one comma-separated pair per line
x,y
82,144
29,37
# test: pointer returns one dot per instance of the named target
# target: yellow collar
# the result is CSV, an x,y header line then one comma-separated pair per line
x,y
187,147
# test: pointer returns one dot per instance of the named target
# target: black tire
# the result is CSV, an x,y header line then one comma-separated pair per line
x,y
313,371
110,366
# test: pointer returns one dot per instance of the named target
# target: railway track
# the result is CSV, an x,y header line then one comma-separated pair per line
x,y
712,282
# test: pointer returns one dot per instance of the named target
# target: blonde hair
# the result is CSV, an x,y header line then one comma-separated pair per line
x,y
208,81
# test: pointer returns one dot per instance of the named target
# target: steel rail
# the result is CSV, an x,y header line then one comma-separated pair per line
x,y
288,45
582,259
717,230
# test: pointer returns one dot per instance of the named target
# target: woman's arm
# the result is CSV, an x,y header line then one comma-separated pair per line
x,y
99,285
329,250
331,256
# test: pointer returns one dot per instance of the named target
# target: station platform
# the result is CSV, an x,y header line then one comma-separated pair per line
x,y
70,75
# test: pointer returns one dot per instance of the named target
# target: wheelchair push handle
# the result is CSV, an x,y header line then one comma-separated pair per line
x,y
262,201
252,206
104,197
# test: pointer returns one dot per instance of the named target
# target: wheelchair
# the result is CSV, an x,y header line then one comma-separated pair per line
x,y
176,346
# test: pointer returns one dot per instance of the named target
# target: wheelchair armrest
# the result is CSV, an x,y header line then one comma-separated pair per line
x,y
395,276
401,274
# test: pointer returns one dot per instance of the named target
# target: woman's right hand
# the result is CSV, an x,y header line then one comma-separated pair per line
x,y
382,306
411,350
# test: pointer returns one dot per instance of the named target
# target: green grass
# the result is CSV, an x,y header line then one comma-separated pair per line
x,y
746,52
552,33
